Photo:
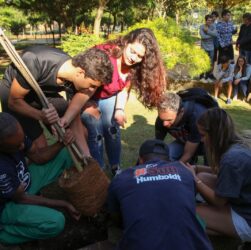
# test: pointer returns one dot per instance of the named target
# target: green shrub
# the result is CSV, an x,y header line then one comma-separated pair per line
x,y
73,44
176,44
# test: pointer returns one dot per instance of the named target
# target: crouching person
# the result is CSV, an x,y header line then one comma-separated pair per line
x,y
226,186
155,202
25,216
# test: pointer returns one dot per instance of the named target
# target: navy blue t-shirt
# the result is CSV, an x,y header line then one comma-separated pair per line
x,y
157,204
186,129
13,172
234,180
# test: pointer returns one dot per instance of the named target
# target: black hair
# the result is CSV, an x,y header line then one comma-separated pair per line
x,y
96,64
8,125
224,59
208,16
215,13
153,156
247,16
225,12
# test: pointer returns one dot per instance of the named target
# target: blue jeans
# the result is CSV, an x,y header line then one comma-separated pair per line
x,y
243,85
247,54
176,149
104,130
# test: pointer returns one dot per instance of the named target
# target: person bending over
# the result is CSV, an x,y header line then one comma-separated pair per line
x,y
155,203
55,71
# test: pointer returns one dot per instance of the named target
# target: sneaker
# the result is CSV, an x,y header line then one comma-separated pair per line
x,y
210,80
228,101
115,169
235,98
203,80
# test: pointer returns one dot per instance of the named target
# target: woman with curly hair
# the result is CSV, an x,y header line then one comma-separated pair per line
x,y
226,186
137,64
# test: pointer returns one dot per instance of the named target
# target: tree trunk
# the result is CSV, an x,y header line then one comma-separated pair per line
x,y
45,28
100,11
114,21
59,30
177,17
53,36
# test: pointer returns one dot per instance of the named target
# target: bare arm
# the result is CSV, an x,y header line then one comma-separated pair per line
x,y
206,192
75,106
189,151
209,194
21,197
17,103
43,155
121,100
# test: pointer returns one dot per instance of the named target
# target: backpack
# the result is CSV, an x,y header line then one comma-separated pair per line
x,y
198,95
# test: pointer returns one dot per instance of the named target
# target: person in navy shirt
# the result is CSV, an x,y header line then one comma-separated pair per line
x,y
226,185
178,118
155,202
24,215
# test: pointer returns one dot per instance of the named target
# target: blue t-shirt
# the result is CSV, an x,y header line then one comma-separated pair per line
x,y
186,129
157,204
13,172
234,180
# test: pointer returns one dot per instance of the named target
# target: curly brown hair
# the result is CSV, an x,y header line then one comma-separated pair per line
x,y
148,77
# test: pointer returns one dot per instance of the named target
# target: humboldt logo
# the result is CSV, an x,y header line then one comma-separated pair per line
x,y
154,173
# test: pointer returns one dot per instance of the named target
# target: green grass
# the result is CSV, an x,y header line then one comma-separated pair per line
x,y
140,125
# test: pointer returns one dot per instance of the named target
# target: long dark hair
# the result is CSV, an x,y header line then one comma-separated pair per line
x,y
149,76
220,133
237,67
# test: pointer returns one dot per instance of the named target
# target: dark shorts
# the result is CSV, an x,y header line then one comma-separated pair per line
x,y
31,127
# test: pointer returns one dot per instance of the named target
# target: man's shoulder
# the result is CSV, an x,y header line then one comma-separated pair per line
x,y
42,52
6,162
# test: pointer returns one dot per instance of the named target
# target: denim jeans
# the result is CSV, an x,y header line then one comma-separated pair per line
x,y
104,130
247,54
243,85
176,150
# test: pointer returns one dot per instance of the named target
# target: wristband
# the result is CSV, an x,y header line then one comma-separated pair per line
x,y
198,181
119,109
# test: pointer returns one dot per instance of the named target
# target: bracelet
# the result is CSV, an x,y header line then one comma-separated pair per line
x,y
119,109
198,181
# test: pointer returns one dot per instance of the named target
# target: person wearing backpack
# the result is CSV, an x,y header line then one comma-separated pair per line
x,y
178,116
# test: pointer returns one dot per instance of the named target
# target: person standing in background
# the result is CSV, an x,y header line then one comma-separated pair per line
x,y
243,42
215,16
208,33
225,30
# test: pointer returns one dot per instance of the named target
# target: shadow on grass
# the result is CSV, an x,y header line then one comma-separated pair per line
x,y
133,137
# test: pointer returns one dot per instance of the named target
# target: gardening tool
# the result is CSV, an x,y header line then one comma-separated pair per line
x,y
77,184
